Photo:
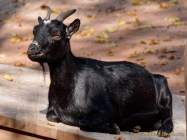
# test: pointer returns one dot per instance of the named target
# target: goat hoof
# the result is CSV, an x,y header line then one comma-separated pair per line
x,y
53,118
116,129
112,128
163,134
165,129
136,129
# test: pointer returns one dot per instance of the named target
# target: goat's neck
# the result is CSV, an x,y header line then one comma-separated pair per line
x,y
59,71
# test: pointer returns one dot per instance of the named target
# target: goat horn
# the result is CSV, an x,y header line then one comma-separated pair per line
x,y
49,11
63,15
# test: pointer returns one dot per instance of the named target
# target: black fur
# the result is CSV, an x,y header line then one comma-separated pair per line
x,y
100,96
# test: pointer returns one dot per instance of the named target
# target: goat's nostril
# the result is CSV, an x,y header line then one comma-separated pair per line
x,y
30,51
33,49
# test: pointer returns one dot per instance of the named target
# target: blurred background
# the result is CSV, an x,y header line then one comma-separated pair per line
x,y
151,33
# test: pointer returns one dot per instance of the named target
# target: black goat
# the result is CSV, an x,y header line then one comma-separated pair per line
x,y
95,95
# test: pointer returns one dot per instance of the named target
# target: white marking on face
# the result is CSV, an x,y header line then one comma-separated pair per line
x,y
35,43
47,21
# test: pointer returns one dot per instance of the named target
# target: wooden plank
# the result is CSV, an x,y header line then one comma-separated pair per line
x,y
71,136
29,127
8,135
41,132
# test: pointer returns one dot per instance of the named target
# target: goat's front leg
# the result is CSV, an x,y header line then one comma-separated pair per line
x,y
51,115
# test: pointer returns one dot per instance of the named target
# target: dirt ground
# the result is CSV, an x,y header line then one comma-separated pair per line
x,y
149,32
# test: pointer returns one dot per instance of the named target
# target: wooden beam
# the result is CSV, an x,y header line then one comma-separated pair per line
x,y
43,132
9,135
70,136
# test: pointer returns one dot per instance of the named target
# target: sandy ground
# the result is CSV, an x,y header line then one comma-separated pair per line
x,y
151,33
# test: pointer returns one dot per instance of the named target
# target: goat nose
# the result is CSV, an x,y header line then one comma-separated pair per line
x,y
33,49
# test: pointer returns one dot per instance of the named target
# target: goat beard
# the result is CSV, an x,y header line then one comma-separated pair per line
x,y
43,69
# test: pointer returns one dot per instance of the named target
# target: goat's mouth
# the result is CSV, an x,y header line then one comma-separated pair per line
x,y
39,56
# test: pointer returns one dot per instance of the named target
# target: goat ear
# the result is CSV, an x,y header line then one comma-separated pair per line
x,y
73,27
40,20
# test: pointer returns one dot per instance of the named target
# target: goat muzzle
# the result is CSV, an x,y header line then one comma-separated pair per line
x,y
34,50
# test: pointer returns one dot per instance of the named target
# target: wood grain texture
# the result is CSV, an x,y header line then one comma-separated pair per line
x,y
8,135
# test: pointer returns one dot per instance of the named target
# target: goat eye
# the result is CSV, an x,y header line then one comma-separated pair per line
x,y
35,29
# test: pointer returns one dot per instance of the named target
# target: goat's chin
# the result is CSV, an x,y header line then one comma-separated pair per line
x,y
37,58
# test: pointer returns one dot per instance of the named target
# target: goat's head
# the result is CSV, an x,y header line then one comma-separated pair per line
x,y
51,37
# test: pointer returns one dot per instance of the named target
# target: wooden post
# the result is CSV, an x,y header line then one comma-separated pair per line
x,y
185,78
